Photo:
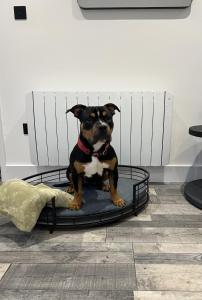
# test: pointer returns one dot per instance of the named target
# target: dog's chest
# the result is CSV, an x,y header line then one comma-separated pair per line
x,y
95,167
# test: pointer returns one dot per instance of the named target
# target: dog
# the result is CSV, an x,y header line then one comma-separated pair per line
x,y
93,159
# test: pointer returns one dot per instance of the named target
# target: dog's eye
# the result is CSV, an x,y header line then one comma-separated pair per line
x,y
109,121
107,118
88,124
92,115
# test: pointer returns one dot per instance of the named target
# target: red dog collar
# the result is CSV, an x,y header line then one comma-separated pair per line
x,y
87,151
82,147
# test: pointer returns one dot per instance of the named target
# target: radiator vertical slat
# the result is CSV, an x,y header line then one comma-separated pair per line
x,y
72,121
157,129
51,128
103,98
166,142
93,99
62,129
147,128
136,128
82,98
125,128
116,141
40,128
30,112
113,97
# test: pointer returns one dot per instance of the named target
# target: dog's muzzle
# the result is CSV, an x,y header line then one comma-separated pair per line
x,y
102,133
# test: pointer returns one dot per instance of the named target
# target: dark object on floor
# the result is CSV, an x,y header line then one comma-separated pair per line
x,y
193,190
196,130
98,208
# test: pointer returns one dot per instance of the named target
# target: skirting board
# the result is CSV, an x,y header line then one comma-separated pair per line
x,y
169,173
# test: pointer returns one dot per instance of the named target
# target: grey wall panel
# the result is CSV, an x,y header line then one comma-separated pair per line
x,y
87,4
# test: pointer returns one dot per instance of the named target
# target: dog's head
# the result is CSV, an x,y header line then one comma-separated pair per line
x,y
96,121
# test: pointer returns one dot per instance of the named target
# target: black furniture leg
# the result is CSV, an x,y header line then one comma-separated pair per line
x,y
193,189
193,192
52,227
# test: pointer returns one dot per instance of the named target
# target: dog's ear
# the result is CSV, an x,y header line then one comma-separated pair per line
x,y
76,110
112,107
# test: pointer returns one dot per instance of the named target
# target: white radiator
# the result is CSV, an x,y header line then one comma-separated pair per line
x,y
142,130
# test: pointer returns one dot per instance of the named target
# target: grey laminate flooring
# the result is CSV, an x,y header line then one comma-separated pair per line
x,y
157,255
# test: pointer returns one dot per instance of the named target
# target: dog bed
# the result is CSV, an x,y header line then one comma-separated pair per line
x,y
97,206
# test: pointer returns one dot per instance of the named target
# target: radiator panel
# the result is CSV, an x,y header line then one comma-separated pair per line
x,y
136,130
157,128
126,120
40,128
166,145
62,129
142,130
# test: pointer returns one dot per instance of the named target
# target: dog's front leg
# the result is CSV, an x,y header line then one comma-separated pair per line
x,y
77,183
70,187
113,180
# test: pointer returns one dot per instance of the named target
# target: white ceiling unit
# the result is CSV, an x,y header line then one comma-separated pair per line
x,y
90,4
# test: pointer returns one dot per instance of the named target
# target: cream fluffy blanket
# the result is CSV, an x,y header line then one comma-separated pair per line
x,y
23,202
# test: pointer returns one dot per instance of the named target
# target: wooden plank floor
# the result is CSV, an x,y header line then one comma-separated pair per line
x,y
157,255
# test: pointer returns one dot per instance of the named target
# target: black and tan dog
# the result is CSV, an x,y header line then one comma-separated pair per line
x,y
93,158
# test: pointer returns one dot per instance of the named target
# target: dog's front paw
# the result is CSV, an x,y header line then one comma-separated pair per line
x,y
75,204
70,189
119,202
106,187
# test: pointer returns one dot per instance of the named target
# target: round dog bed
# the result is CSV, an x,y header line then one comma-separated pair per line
x,y
97,206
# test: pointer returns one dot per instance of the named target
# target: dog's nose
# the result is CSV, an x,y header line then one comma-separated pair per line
x,y
102,127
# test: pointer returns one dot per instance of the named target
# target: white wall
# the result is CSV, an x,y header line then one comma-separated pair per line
x,y
2,148
59,48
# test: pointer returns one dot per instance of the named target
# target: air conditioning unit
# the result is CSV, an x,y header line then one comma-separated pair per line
x,y
94,4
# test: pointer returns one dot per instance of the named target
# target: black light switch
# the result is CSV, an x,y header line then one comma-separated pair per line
x,y
20,13
25,128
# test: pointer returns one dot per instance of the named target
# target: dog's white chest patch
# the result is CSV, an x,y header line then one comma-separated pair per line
x,y
98,145
95,167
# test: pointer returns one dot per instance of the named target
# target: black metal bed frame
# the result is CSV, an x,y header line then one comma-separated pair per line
x,y
139,201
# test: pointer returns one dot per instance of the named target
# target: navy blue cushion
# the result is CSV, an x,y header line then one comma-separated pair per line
x,y
97,201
